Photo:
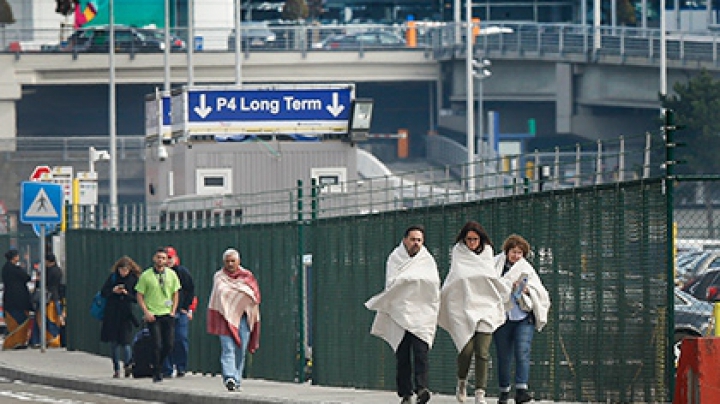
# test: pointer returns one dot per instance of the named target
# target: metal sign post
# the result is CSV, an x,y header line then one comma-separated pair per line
x,y
41,206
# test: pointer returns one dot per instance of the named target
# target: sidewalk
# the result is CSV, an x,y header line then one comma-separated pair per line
x,y
85,372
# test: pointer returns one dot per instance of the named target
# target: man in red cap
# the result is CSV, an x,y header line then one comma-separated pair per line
x,y
177,359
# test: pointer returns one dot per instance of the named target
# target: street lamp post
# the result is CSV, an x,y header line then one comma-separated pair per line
x,y
113,122
469,104
481,71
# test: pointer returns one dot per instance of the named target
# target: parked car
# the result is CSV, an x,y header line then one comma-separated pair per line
x,y
362,40
693,318
255,34
127,39
693,264
705,287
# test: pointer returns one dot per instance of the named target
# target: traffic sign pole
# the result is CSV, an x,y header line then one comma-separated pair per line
x,y
43,288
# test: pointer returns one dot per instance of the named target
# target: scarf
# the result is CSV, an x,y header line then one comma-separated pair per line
x,y
411,299
538,301
473,295
234,295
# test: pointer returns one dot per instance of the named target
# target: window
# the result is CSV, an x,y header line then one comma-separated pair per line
x,y
213,181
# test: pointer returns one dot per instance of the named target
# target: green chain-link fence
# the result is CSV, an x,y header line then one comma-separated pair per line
x,y
600,253
600,250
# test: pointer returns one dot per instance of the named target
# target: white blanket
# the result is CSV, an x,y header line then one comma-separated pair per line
x,y
411,298
473,296
538,300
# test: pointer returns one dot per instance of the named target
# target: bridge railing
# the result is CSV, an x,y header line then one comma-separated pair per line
x,y
445,40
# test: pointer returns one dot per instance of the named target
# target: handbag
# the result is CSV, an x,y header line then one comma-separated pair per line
x,y
97,307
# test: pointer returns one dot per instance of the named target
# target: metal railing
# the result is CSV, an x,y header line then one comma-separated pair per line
x,y
69,148
443,39
598,163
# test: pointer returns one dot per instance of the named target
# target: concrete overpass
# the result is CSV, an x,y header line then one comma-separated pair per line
x,y
553,74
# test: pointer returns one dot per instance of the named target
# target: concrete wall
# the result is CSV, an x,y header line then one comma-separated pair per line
x,y
257,166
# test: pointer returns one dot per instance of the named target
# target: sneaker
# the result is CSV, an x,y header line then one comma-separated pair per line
x,y
480,396
157,378
423,396
504,397
116,374
180,374
461,390
128,370
406,400
522,396
230,384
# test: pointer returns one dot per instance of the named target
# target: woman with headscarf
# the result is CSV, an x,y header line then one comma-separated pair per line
x,y
17,303
234,316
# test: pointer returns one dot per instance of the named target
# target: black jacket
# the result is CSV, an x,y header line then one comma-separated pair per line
x,y
16,295
54,279
187,287
119,321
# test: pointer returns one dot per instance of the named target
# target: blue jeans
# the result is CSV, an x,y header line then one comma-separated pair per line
x,y
513,341
117,350
232,357
179,356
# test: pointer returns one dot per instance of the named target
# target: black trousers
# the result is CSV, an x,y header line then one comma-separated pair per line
x,y
162,332
411,346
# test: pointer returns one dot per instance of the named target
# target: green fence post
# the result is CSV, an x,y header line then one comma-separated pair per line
x,y
314,196
300,286
669,132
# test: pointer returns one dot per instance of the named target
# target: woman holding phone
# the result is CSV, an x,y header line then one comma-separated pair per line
x,y
119,321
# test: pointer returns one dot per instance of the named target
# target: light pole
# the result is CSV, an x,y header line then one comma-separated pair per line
x,y
113,122
481,71
663,53
469,104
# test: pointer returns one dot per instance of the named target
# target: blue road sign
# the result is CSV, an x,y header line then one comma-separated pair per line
x,y
293,110
41,203
49,228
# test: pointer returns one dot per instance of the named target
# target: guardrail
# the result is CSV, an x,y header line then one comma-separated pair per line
x,y
443,39
589,164
70,148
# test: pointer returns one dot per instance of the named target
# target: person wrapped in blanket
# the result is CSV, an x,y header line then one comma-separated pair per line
x,y
17,302
527,312
406,313
234,315
54,310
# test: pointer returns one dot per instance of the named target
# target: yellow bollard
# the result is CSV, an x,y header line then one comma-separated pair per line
x,y
716,316
530,170
75,203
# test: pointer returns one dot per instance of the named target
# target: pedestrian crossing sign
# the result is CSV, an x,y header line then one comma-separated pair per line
x,y
41,202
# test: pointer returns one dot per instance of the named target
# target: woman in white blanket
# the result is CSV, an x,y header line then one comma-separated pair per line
x,y
472,305
234,315
407,311
529,305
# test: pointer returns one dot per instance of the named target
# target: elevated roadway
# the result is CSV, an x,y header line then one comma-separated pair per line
x,y
562,76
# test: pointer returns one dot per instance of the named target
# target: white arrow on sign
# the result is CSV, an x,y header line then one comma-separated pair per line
x,y
335,109
202,110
